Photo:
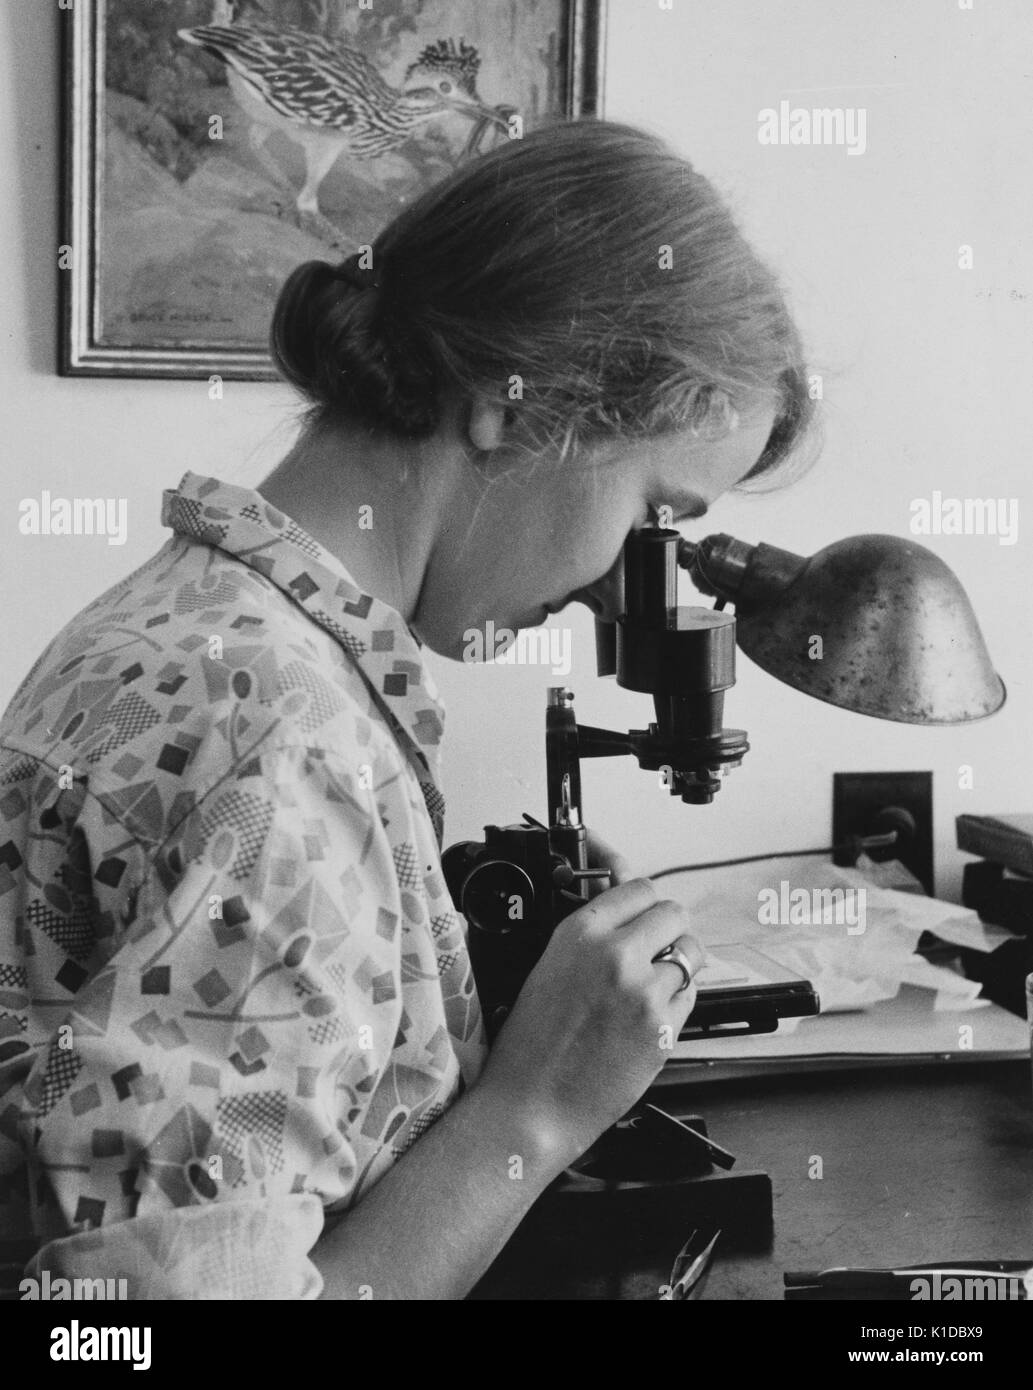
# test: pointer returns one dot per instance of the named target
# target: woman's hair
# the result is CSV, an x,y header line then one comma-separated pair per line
x,y
584,275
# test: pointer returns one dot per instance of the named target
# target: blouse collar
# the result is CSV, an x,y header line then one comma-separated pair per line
x,y
241,522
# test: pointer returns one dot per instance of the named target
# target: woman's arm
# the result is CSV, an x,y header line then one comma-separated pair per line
x,y
584,1041
433,1224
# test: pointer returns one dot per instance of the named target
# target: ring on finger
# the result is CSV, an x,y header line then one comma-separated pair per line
x,y
674,955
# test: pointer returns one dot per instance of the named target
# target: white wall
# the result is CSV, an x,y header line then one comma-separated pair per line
x,y
927,386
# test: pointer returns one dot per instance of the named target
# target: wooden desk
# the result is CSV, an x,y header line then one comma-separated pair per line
x,y
921,1163
932,1162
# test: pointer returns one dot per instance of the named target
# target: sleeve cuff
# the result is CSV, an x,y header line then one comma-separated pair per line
x,y
229,1250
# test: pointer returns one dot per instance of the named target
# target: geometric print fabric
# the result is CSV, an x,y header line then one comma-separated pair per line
x,y
231,977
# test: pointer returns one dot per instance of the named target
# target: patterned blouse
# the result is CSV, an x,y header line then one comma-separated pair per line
x,y
233,989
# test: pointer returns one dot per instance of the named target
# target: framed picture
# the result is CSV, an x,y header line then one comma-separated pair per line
x,y
213,145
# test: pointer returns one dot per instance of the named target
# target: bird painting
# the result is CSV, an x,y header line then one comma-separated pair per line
x,y
331,100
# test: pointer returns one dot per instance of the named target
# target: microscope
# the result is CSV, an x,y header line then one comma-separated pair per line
x,y
516,885
899,640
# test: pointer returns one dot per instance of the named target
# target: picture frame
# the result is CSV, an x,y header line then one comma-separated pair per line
x,y
182,190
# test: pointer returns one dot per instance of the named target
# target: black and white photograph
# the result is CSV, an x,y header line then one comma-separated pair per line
x,y
515,775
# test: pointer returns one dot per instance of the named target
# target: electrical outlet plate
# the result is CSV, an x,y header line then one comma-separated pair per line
x,y
857,799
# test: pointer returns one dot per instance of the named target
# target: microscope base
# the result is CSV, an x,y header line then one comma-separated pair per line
x,y
586,1238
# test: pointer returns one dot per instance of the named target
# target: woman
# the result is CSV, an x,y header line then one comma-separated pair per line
x,y
241,1051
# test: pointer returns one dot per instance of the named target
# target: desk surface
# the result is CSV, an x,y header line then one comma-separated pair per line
x,y
921,1163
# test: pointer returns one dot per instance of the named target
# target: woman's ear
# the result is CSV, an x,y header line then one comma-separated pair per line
x,y
487,426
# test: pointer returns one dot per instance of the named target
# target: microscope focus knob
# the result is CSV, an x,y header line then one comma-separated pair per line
x,y
497,896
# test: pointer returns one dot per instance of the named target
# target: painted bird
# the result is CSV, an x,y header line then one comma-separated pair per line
x,y
332,100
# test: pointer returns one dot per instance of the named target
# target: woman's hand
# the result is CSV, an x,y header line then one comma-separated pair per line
x,y
596,1019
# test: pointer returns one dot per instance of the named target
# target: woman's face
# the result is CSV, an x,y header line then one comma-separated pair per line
x,y
527,543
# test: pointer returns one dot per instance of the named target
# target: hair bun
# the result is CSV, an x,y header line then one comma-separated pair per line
x,y
341,350
360,277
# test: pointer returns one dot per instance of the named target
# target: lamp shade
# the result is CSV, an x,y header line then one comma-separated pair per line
x,y
874,624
